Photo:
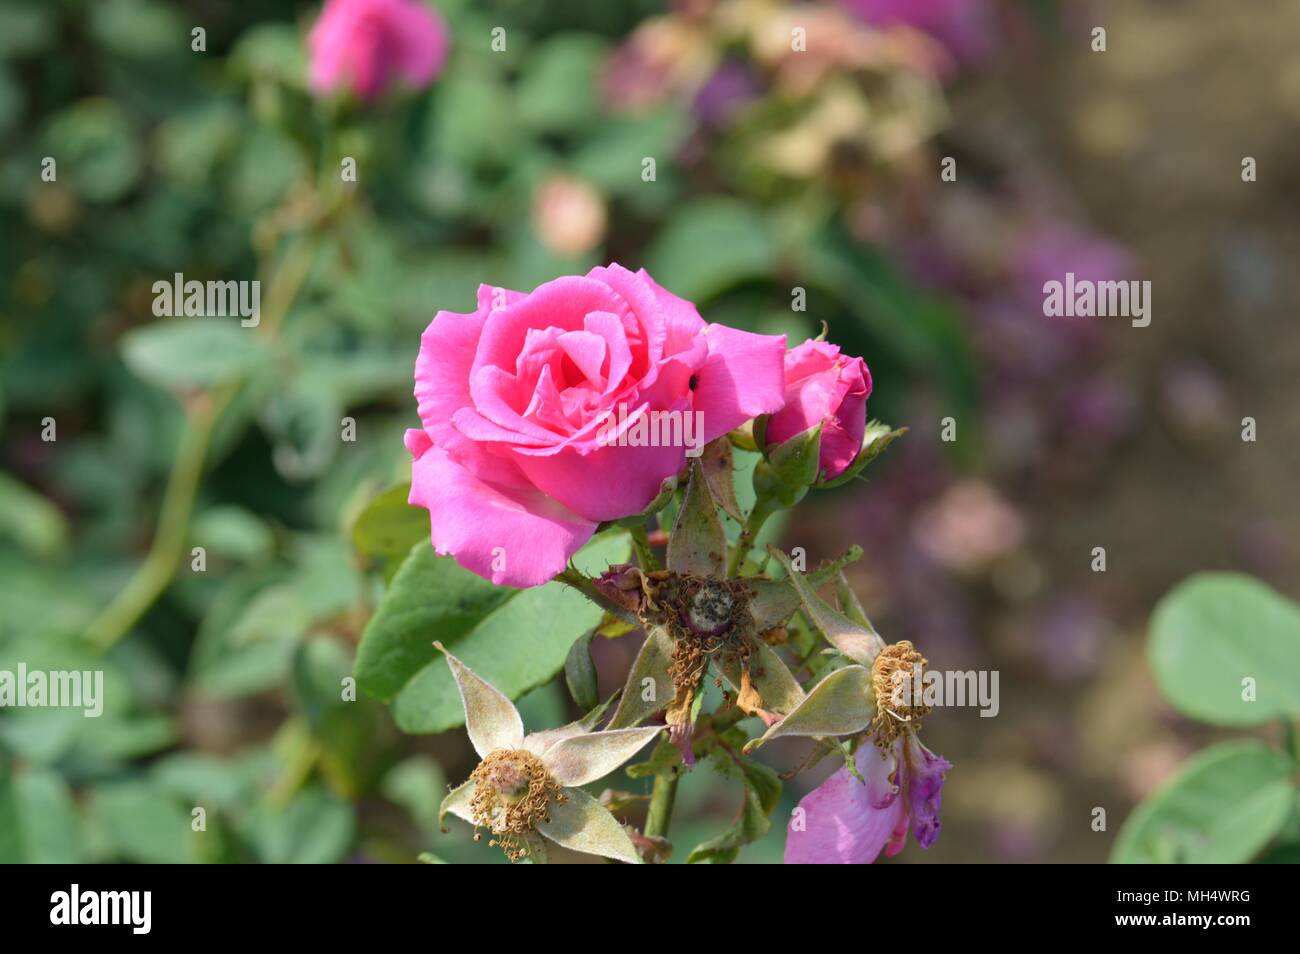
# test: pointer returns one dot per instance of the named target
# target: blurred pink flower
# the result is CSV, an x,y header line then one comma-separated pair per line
x,y
824,387
568,215
970,526
522,402
362,45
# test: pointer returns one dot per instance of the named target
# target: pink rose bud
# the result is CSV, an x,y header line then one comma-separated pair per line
x,y
363,45
824,387
547,412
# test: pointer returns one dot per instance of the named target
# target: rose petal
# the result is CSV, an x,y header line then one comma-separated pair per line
x,y
924,773
442,370
457,802
743,377
845,821
491,720
580,759
562,303
583,824
511,534
607,484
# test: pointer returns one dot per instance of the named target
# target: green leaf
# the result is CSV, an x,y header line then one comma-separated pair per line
x,y
1222,808
272,51
200,779
302,417
180,353
1282,855
389,526
38,820
25,28
558,84
457,130
232,532
654,663
143,824
431,597
762,792
315,828
709,246
1216,630
835,706
96,149
515,639
138,28
580,673
255,650
418,785
611,160
32,521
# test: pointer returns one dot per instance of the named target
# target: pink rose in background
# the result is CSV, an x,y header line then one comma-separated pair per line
x,y
824,387
529,405
361,45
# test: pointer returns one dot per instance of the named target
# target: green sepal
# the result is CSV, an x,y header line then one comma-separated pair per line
x,y
875,439
789,469
698,545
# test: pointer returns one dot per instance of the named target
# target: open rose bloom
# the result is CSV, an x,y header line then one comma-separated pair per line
x,y
363,46
530,405
600,397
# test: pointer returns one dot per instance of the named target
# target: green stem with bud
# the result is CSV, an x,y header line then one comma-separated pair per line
x,y
753,525
159,566
585,585
641,544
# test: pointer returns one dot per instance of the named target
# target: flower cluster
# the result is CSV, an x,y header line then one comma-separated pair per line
x,y
549,415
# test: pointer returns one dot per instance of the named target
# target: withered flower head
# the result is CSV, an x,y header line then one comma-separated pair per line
x,y
526,787
694,615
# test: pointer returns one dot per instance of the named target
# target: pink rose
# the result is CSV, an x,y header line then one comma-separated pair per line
x,y
530,408
824,387
362,44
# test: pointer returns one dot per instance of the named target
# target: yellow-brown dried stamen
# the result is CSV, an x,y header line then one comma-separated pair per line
x,y
895,675
513,792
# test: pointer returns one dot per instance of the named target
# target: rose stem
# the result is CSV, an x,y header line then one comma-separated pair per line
x,y
159,566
